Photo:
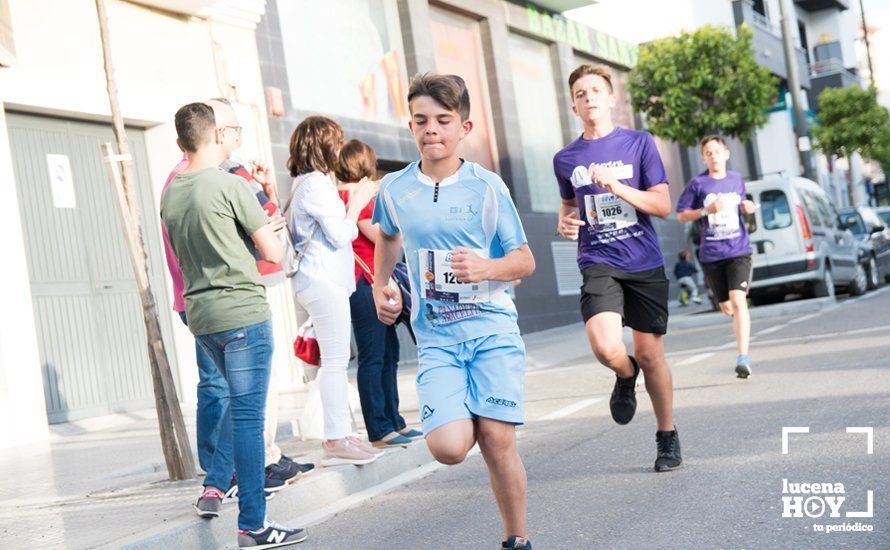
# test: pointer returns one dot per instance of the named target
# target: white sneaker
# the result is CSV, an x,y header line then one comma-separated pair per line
x,y
345,451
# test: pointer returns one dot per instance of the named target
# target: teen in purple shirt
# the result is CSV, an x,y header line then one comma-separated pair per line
x,y
717,198
612,181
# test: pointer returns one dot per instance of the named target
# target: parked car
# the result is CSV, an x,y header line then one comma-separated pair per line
x,y
883,212
873,236
799,242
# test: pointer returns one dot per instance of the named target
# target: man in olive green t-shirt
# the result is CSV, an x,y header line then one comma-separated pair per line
x,y
214,224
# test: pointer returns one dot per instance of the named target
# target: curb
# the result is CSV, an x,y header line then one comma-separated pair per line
x,y
304,498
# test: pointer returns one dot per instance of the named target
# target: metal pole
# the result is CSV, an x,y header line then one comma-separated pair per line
x,y
871,70
800,121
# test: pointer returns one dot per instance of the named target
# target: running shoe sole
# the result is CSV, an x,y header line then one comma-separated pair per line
x,y
668,468
276,544
207,514
334,461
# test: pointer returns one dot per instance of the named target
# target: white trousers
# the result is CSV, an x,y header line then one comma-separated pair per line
x,y
328,305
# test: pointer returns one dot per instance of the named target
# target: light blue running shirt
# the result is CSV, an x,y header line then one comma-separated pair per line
x,y
471,208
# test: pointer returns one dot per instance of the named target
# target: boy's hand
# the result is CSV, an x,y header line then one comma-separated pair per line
x,y
602,176
389,304
468,266
748,207
715,206
260,172
569,226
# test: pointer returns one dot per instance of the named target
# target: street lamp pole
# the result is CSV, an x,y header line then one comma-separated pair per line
x,y
800,121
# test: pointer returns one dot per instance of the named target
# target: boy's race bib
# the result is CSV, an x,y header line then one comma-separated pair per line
x,y
439,282
607,212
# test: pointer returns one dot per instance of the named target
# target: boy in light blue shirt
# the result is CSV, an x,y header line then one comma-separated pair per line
x,y
464,246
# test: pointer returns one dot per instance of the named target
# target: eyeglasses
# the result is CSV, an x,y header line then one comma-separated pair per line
x,y
236,128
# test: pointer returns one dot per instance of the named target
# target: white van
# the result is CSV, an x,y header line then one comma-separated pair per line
x,y
799,243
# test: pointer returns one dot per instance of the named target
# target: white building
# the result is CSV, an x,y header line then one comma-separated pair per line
x,y
71,338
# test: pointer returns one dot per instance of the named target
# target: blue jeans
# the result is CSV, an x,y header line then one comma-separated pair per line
x,y
244,356
378,361
213,401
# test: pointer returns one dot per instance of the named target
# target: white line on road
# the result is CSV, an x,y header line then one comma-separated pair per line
x,y
771,330
695,359
571,409
804,318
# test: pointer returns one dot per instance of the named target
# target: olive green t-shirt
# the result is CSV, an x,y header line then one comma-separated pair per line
x,y
210,216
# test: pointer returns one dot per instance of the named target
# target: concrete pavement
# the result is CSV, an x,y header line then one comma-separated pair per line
x,y
104,487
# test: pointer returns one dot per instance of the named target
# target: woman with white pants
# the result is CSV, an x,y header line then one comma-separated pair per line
x,y
325,278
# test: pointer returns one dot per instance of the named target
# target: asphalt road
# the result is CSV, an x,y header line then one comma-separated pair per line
x,y
591,483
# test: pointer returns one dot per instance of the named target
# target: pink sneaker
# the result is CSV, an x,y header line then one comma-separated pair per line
x,y
345,451
365,445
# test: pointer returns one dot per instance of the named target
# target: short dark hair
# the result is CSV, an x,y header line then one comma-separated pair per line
x,y
709,138
314,145
587,69
357,160
192,122
448,90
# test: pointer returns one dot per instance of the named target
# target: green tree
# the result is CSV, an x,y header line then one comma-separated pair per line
x,y
850,120
700,83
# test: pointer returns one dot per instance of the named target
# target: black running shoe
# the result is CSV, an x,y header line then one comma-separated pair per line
x,y
668,444
623,403
283,472
232,492
517,543
209,503
271,535
302,468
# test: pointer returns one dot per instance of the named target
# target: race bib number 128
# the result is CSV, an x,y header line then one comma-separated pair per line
x,y
439,282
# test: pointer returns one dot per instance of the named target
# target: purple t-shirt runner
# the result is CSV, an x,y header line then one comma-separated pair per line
x,y
724,234
616,234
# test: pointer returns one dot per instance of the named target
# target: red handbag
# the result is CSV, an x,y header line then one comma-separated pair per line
x,y
306,345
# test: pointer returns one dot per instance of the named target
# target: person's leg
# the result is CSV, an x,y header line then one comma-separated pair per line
x,y
328,306
442,386
391,379
649,353
605,334
497,442
370,339
450,443
246,355
213,400
741,319
271,452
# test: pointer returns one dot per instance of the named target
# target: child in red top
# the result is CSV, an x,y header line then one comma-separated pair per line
x,y
378,344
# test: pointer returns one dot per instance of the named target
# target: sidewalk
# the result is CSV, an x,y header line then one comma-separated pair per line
x,y
102,482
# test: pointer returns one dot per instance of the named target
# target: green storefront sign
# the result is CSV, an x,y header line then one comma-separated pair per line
x,y
580,37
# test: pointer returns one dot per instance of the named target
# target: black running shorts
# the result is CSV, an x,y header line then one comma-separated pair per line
x,y
729,274
640,298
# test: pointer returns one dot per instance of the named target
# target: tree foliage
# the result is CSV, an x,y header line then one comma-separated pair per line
x,y
850,120
700,83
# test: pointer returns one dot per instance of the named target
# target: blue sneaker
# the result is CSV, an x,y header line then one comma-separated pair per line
x,y
397,441
743,367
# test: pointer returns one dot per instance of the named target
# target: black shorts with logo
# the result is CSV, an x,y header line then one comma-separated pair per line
x,y
640,298
729,274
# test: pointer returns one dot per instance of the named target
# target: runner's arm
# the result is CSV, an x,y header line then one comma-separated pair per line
x,y
655,201
569,223
387,299
469,267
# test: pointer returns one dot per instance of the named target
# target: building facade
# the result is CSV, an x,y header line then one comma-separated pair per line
x,y
352,60
72,340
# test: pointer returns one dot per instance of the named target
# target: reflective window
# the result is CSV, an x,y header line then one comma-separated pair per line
x,y
776,211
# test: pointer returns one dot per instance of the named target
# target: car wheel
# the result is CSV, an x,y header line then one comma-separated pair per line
x,y
859,283
874,278
825,287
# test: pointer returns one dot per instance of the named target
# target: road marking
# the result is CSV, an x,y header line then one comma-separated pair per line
x,y
571,409
804,318
771,330
695,359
